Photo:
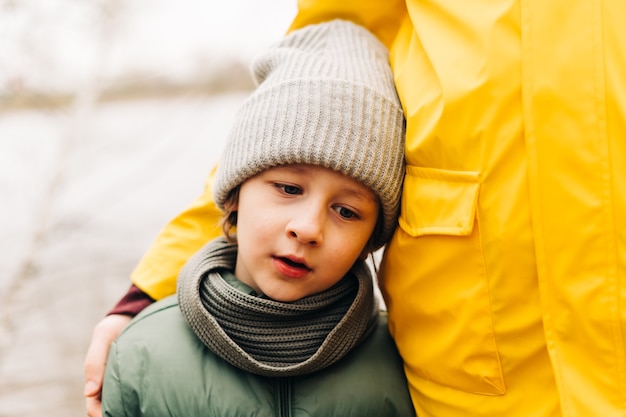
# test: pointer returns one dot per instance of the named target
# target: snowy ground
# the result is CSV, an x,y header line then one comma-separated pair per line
x,y
84,191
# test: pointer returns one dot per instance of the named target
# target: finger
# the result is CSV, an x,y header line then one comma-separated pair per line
x,y
94,406
105,332
95,362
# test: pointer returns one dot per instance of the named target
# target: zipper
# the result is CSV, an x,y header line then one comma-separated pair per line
x,y
282,396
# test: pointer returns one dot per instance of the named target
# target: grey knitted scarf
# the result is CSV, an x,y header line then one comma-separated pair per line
x,y
268,337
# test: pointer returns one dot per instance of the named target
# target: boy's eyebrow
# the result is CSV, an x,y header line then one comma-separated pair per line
x,y
294,167
360,194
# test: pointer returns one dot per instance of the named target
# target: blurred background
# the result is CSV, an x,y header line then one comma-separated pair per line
x,y
112,113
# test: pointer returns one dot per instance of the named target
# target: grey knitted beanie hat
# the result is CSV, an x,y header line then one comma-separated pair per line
x,y
325,97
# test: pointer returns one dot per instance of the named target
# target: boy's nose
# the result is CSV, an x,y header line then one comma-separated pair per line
x,y
307,227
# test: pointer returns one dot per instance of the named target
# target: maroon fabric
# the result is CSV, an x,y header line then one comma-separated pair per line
x,y
132,302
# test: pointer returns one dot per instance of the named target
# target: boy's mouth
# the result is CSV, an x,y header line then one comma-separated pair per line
x,y
291,267
293,263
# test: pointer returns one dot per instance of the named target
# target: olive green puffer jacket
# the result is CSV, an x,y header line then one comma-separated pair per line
x,y
158,367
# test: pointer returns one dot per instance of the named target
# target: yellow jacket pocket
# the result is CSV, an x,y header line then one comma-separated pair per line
x,y
439,202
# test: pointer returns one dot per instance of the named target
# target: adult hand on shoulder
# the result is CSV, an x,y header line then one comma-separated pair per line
x,y
104,333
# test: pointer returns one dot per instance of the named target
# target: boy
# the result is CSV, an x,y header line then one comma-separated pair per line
x,y
280,318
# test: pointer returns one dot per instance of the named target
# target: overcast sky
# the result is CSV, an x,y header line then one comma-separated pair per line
x,y
60,44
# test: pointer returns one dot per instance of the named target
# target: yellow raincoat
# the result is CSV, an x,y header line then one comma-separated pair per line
x,y
506,281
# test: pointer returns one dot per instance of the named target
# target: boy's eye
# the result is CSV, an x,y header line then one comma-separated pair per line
x,y
289,189
346,213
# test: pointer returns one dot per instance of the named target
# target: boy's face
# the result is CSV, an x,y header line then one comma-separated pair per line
x,y
300,228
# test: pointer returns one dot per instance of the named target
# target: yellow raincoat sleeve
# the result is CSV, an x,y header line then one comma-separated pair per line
x,y
157,271
380,17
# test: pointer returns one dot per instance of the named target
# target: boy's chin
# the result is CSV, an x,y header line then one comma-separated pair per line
x,y
285,296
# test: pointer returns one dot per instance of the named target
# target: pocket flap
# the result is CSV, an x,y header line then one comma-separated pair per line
x,y
437,201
